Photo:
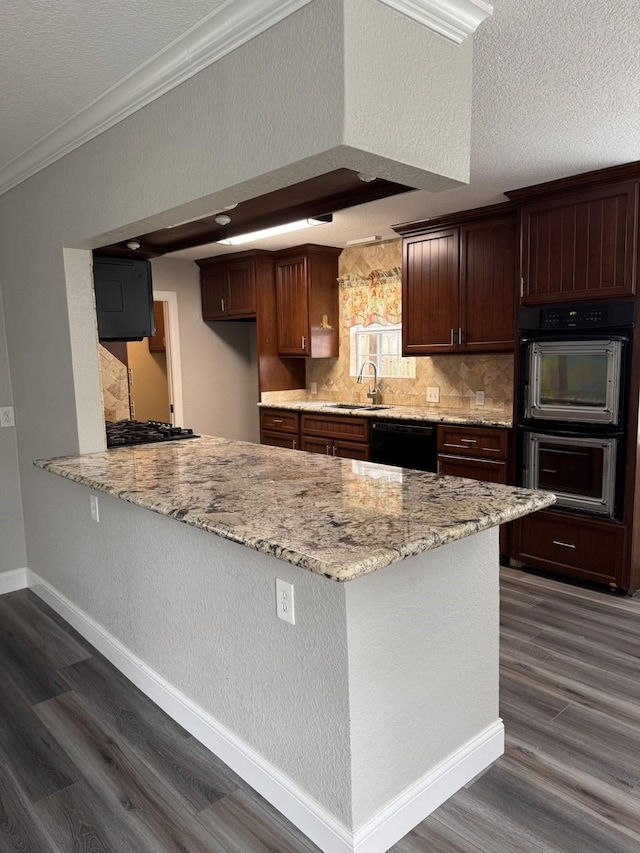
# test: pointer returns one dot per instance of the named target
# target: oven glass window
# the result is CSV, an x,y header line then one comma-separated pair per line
x,y
571,470
578,379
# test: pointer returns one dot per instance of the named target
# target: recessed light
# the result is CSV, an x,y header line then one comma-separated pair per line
x,y
133,245
365,178
223,219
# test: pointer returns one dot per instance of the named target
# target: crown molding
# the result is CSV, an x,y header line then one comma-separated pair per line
x,y
453,19
229,26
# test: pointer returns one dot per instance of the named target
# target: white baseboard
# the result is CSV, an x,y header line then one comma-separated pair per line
x,y
13,580
376,836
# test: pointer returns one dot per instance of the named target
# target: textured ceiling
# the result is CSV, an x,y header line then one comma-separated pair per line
x,y
556,92
58,55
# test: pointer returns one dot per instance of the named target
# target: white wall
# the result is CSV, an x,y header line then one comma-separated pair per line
x,y
12,546
219,369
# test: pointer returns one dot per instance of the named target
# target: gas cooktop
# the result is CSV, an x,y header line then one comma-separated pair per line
x,y
123,433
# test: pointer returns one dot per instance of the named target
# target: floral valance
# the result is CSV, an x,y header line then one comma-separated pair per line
x,y
375,298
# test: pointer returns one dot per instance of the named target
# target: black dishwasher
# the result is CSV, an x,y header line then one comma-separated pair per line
x,y
409,445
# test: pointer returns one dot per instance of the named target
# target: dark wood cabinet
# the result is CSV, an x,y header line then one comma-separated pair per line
x,y
307,301
228,289
578,242
571,544
157,342
475,469
333,435
480,453
280,428
459,282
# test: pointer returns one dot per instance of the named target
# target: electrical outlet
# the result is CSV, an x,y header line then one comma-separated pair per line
x,y
314,387
95,511
7,416
284,601
433,395
479,398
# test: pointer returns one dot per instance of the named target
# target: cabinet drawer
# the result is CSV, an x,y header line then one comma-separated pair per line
x,y
485,442
476,469
351,450
331,426
280,420
588,548
279,439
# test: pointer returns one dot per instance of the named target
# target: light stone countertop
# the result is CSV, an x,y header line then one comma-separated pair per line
x,y
336,517
434,414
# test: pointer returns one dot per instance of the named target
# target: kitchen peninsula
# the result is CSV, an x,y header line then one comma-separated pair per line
x,y
382,699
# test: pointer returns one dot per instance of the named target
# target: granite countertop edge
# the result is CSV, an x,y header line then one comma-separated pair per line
x,y
519,502
488,418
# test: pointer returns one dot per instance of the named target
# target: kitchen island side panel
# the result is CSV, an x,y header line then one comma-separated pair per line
x,y
201,611
423,665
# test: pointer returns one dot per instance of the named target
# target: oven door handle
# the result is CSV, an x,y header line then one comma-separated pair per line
x,y
570,433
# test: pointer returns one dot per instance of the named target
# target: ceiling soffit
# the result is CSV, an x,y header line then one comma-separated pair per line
x,y
228,27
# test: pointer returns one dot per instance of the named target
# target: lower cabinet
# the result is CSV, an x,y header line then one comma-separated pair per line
x,y
333,435
280,428
572,544
475,469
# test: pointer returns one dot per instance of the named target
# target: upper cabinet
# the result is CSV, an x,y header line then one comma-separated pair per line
x,y
578,238
306,280
459,282
229,287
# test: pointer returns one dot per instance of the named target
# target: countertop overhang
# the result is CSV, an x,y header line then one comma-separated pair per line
x,y
336,517
433,414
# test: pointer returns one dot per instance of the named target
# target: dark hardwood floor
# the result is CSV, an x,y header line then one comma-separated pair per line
x,y
89,765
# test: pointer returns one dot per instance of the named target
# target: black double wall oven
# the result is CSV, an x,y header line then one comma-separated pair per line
x,y
574,374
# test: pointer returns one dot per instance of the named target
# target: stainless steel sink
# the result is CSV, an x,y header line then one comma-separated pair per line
x,y
352,406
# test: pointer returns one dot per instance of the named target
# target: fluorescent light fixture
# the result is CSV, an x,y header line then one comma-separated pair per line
x,y
277,229
361,241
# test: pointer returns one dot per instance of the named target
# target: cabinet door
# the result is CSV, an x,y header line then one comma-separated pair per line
x,y
474,469
349,450
580,246
292,306
276,439
316,445
574,545
430,293
488,285
214,294
242,289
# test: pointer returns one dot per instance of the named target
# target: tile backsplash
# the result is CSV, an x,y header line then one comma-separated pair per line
x,y
115,386
457,376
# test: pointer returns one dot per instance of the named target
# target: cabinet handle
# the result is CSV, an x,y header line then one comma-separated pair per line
x,y
278,420
564,544
304,342
459,336
521,288
295,445
222,305
452,337
468,441
549,471
334,450
328,449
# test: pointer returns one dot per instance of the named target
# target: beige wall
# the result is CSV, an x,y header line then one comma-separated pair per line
x,y
149,383
457,376
219,365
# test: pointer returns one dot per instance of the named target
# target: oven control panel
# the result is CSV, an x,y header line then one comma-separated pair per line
x,y
575,317
585,315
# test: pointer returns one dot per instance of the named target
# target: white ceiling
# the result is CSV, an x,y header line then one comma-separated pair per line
x,y
556,91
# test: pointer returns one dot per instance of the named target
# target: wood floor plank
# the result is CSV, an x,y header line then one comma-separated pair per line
x,y
512,814
20,830
19,616
83,823
36,759
564,591
592,743
518,599
432,836
243,822
33,675
124,782
532,698
187,767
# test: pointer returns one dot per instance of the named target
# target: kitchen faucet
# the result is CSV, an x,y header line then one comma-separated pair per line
x,y
373,393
